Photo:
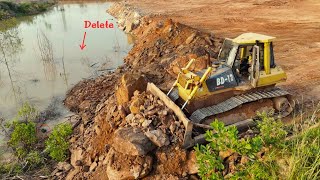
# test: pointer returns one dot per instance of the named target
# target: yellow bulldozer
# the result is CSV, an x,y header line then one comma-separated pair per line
x,y
233,89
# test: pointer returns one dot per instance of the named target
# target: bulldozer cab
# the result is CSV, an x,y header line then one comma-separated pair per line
x,y
251,58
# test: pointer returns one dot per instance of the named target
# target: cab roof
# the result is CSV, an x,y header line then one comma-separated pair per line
x,y
248,38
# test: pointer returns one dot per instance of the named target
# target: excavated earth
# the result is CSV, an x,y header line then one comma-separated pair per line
x,y
126,132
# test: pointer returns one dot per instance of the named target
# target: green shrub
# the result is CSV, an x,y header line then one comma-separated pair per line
x,y
12,9
23,138
57,144
24,7
266,168
271,131
223,138
3,14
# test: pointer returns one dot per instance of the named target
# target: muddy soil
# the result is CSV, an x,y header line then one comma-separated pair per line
x,y
128,134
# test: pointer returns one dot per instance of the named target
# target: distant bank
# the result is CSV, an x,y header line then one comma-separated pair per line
x,y
10,9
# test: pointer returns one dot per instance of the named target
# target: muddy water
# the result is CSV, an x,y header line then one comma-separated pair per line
x,y
27,73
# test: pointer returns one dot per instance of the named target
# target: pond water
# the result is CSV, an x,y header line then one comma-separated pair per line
x,y
41,57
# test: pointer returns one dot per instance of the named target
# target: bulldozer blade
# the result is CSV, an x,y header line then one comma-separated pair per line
x,y
187,140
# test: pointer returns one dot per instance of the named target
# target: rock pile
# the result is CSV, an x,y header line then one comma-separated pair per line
x,y
126,132
86,95
130,140
157,121
128,18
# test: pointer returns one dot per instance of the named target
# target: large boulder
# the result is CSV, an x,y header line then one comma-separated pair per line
x,y
132,141
130,82
121,166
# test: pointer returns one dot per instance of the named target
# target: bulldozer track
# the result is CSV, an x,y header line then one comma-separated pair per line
x,y
233,102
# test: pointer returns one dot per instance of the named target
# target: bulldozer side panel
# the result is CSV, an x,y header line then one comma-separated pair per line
x,y
277,75
223,79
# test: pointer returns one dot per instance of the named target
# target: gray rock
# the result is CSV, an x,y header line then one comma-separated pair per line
x,y
158,137
86,168
132,141
146,123
79,163
74,120
129,118
64,166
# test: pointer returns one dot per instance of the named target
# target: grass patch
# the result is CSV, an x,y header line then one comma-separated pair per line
x,y
304,162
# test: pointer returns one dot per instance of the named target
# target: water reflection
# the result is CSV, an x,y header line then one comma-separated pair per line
x,y
47,60
64,74
46,54
10,46
63,16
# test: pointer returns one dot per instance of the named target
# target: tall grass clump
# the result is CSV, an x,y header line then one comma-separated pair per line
x,y
304,162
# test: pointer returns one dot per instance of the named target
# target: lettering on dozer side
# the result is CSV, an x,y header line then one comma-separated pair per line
x,y
98,25
221,80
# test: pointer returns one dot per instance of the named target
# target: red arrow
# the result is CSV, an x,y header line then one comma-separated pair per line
x,y
82,46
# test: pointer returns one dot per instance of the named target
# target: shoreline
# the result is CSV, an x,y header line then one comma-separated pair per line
x,y
10,10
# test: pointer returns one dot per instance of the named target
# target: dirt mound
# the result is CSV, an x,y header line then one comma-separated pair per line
x,y
86,95
116,118
166,46
163,45
121,136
